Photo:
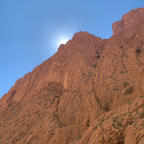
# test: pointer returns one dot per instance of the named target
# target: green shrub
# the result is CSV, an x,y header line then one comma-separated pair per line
x,y
129,90
138,51
94,65
79,137
95,127
116,89
115,126
106,107
142,96
125,84
141,115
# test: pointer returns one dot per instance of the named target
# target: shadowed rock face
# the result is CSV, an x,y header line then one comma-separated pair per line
x,y
90,92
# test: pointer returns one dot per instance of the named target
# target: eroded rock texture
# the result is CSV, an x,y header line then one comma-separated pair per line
x,y
90,92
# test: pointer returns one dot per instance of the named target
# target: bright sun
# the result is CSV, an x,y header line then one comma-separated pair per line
x,y
62,40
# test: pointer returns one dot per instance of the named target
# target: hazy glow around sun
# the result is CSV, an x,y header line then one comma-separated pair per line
x,y
53,40
62,40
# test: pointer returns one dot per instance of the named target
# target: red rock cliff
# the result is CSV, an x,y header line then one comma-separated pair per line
x,y
90,92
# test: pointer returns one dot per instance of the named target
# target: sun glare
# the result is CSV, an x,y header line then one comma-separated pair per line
x,y
62,40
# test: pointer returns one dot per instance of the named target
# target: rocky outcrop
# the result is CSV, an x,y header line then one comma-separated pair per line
x,y
122,125
87,93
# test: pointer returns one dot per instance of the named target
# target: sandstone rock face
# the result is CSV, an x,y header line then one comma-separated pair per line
x,y
90,92
125,125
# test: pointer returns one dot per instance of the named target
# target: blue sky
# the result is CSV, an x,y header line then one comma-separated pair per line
x,y
29,29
